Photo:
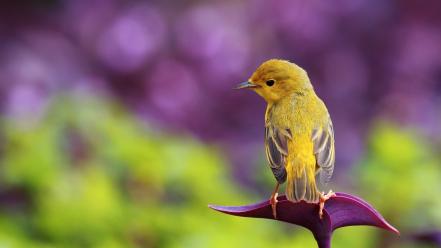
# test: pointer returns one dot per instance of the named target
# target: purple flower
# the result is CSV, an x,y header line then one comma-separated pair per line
x,y
217,37
132,39
172,95
340,211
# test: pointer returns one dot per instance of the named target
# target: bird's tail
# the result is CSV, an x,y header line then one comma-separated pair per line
x,y
301,184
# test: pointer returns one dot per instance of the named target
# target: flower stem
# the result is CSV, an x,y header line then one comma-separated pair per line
x,y
324,240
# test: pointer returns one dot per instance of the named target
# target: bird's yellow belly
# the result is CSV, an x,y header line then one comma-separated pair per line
x,y
300,154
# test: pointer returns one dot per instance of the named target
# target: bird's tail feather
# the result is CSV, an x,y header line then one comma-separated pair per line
x,y
301,186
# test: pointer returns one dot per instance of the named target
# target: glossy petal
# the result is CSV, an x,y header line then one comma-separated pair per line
x,y
340,211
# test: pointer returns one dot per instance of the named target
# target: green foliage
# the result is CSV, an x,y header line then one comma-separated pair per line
x,y
401,176
94,177
90,175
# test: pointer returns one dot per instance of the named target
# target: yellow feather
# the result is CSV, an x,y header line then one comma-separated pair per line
x,y
294,108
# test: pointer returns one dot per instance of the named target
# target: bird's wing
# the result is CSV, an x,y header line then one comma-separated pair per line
x,y
276,149
324,151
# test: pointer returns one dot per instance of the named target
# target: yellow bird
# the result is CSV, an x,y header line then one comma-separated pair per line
x,y
299,136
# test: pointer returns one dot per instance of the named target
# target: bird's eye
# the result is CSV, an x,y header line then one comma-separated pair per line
x,y
270,82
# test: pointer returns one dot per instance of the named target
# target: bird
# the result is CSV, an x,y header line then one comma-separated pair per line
x,y
299,134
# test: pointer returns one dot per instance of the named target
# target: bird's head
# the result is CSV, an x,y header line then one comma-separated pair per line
x,y
276,79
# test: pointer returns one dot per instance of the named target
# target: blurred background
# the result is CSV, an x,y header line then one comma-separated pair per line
x,y
118,124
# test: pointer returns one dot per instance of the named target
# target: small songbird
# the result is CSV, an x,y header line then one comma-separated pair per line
x,y
299,136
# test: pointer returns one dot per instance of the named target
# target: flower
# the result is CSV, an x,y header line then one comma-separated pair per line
x,y
340,210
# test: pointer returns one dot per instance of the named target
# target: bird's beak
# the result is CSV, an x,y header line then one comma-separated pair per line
x,y
245,85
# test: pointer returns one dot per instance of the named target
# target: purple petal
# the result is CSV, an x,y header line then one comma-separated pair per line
x,y
301,213
349,210
340,211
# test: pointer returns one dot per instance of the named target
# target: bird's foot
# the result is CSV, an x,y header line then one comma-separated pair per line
x,y
323,198
273,202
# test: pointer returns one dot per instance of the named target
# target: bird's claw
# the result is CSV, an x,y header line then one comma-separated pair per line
x,y
273,202
323,198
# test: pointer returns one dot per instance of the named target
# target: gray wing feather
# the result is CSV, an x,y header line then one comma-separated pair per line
x,y
276,150
324,151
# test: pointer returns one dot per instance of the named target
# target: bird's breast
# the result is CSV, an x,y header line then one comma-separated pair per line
x,y
292,115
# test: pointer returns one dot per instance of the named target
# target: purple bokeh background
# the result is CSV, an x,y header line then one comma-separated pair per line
x,y
174,62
